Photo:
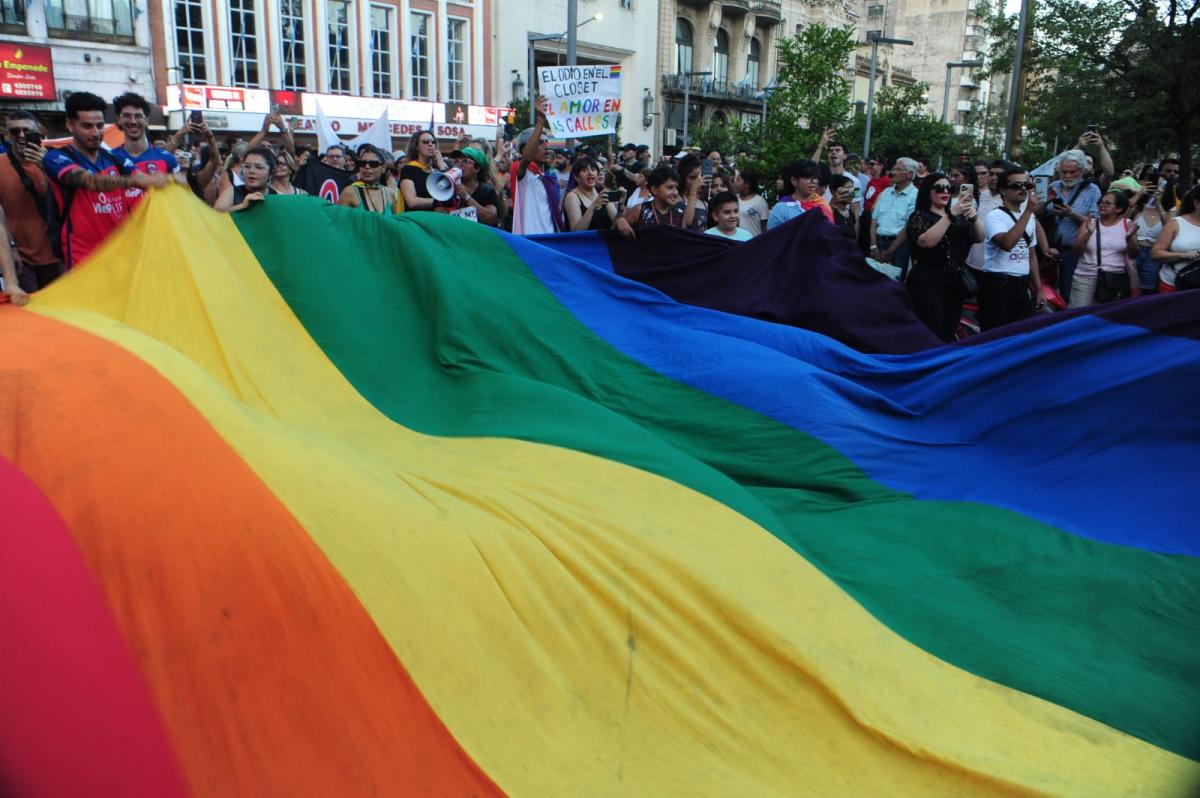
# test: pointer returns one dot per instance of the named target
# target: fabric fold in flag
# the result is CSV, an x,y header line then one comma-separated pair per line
x,y
558,523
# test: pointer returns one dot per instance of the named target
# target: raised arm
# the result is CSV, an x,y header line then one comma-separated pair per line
x,y
529,151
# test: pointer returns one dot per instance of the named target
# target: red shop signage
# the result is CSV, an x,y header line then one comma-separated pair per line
x,y
26,73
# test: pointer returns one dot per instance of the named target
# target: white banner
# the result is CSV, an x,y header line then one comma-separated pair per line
x,y
583,100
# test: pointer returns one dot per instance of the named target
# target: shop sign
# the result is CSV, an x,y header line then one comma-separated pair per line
x,y
26,73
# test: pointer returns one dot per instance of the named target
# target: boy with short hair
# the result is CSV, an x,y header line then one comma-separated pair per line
x,y
662,209
724,209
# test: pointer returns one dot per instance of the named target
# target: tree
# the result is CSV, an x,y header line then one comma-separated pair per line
x,y
812,93
729,138
901,125
1125,65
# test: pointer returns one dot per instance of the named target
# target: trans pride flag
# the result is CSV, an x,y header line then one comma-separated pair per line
x,y
307,501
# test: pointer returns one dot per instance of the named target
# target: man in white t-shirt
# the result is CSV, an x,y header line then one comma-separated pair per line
x,y
535,194
1010,271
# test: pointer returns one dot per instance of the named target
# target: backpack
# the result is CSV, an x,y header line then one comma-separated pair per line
x,y
59,218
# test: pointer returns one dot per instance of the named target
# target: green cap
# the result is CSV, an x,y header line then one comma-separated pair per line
x,y
472,153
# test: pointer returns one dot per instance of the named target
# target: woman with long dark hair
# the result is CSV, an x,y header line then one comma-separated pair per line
x,y
370,191
939,239
423,157
258,166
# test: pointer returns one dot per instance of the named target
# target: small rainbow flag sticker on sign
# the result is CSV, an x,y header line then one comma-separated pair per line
x,y
616,71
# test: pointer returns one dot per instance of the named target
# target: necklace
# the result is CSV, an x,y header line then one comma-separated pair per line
x,y
370,202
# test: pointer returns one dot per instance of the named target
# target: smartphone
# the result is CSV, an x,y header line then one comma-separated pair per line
x,y
274,108
1093,128
966,190
33,137
612,196
1057,201
706,168
196,117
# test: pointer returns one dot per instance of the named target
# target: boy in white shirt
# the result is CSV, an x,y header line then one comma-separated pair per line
x,y
724,209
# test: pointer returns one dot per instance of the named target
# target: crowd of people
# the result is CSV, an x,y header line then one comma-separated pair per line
x,y
980,232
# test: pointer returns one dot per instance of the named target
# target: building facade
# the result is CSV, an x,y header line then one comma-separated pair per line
x,y
944,32
715,61
532,33
103,47
422,62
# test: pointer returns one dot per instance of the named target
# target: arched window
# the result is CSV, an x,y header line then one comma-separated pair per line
x,y
683,47
720,68
752,63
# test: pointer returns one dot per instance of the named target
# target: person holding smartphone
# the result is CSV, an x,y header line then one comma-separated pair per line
x,y
586,206
940,236
24,192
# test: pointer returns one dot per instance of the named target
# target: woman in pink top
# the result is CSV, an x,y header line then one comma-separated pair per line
x,y
1117,240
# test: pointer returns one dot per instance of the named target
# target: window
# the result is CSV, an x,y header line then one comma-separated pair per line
x,y
12,14
243,43
420,56
720,68
98,19
295,69
752,61
683,47
627,4
189,41
338,24
456,62
381,51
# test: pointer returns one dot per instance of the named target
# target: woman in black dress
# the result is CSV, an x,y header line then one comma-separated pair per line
x,y
939,242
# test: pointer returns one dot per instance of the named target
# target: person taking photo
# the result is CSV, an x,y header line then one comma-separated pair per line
x,y
1010,276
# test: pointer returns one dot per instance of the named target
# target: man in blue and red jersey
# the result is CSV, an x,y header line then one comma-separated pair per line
x,y
89,184
133,115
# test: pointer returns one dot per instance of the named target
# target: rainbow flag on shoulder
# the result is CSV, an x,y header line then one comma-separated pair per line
x,y
308,501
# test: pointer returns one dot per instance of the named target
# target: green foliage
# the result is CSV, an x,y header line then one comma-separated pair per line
x,y
1125,65
812,93
901,126
729,138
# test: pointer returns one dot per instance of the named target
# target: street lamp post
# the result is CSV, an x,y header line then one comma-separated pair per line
x,y
553,37
687,101
875,39
946,94
1018,84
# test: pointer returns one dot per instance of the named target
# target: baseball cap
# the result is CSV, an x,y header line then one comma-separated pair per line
x,y
475,155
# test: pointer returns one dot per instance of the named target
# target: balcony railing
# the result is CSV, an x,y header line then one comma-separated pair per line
x,y
701,86
768,8
85,26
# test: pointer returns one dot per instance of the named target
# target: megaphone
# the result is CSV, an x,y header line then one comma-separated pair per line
x,y
440,185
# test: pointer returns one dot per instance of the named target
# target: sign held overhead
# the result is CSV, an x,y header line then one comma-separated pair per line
x,y
582,100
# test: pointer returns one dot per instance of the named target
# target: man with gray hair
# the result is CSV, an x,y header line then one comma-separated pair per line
x,y
1072,199
890,216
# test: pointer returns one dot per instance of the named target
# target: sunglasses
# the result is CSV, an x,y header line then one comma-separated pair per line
x,y
369,164
1021,186
943,188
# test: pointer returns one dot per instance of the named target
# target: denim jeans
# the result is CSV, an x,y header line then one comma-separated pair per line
x,y
1147,270
899,257
1066,269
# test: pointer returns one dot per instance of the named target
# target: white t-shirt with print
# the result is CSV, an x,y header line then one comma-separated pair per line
x,y
1014,261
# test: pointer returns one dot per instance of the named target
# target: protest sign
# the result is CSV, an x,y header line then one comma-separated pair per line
x,y
582,100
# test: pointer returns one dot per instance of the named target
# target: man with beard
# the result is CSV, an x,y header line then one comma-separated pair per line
x,y
89,183
1073,198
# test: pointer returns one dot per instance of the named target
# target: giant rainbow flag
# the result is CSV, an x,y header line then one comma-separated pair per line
x,y
308,502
